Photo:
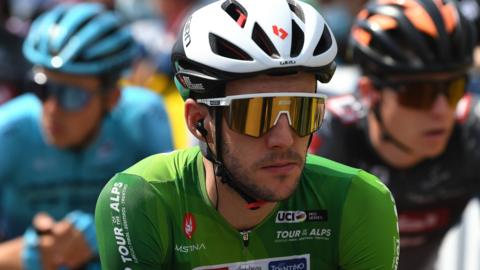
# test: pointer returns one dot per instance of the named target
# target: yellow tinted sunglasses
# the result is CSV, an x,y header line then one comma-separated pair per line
x,y
256,114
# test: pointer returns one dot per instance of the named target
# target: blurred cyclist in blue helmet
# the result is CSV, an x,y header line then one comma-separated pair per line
x,y
59,145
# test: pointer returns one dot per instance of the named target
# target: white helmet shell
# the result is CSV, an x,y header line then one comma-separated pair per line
x,y
240,38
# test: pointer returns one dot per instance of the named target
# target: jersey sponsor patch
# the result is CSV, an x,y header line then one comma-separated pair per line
x,y
195,247
301,216
120,223
424,221
189,225
297,262
347,108
294,235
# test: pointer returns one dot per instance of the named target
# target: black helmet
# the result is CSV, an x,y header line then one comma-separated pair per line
x,y
412,36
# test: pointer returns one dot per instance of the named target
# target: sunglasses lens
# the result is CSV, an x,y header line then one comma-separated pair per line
x,y
69,97
307,115
417,96
245,116
72,98
422,95
456,90
255,116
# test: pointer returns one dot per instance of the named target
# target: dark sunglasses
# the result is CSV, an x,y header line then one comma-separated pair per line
x,y
421,95
256,114
70,98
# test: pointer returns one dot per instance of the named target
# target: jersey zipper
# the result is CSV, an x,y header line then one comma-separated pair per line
x,y
245,238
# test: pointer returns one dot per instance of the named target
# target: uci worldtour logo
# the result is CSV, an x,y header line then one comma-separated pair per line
x,y
291,217
301,216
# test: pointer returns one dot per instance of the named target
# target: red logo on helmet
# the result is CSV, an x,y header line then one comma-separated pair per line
x,y
280,32
189,225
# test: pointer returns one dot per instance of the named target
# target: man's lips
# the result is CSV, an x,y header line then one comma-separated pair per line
x,y
53,128
280,167
435,132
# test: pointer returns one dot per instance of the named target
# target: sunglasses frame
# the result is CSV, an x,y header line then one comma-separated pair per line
x,y
227,101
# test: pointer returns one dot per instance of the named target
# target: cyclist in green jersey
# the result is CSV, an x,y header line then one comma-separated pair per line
x,y
249,197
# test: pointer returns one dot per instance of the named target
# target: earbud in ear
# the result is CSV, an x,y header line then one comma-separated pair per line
x,y
201,128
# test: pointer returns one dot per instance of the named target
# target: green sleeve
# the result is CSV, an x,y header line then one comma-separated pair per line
x,y
132,225
369,231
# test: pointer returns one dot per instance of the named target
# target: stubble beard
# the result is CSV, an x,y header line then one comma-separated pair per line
x,y
245,181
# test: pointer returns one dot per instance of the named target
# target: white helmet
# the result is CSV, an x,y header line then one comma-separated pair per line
x,y
232,39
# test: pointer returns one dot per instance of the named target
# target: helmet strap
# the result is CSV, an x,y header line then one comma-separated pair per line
x,y
220,168
385,134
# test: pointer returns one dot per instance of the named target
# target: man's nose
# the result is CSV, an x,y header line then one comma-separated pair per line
x,y
51,104
441,105
281,135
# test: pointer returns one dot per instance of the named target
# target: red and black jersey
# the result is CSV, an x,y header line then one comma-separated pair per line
x,y
430,196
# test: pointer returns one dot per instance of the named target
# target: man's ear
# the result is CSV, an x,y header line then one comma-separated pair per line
x,y
112,98
368,93
195,113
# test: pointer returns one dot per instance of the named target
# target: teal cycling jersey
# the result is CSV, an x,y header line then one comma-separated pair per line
x,y
36,176
157,215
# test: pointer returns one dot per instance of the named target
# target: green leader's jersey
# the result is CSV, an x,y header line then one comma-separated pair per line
x,y
157,215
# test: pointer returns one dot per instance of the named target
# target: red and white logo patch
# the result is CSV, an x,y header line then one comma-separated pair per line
x,y
189,225
280,32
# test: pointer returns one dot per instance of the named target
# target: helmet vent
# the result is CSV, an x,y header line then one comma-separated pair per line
x,y
261,39
107,54
295,8
184,64
72,32
325,42
236,12
54,25
225,48
298,38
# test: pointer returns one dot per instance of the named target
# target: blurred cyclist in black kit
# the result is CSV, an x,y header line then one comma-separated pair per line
x,y
411,122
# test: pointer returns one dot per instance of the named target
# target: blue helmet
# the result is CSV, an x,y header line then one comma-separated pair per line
x,y
80,39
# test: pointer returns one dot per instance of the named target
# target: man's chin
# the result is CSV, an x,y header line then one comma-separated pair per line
x,y
57,142
283,188
436,151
